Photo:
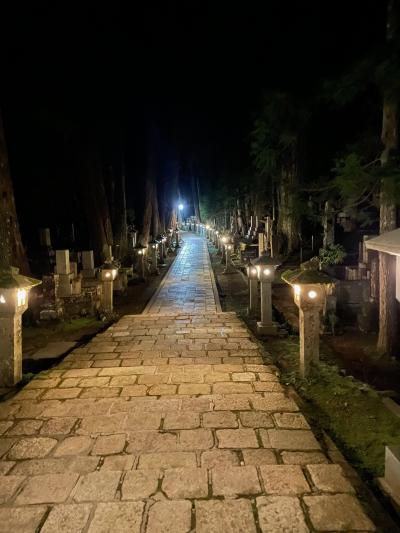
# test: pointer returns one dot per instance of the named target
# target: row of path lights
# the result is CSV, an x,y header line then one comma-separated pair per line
x,y
310,289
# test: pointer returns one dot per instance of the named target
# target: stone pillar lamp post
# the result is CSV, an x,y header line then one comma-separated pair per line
x,y
229,269
153,247
162,239
177,245
108,272
14,291
252,276
266,267
141,255
310,286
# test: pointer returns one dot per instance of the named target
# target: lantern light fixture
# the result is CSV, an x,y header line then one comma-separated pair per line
x,y
266,267
21,297
2,299
311,285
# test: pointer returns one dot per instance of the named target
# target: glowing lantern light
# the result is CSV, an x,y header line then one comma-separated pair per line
x,y
2,299
21,297
310,286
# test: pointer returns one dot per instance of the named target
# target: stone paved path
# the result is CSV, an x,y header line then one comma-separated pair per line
x,y
168,422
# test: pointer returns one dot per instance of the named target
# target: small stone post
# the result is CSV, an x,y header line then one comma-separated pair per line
x,y
309,323
261,244
64,272
88,270
107,250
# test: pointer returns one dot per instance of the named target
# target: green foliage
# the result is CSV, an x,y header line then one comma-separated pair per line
x,y
351,412
352,179
276,132
333,254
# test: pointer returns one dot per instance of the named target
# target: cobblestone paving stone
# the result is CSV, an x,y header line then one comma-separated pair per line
x,y
159,424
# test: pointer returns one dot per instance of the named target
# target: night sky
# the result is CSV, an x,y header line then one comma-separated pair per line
x,y
197,70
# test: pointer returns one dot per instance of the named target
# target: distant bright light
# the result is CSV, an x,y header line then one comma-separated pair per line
x,y
312,295
297,289
224,239
108,274
267,272
254,271
180,206
2,299
21,297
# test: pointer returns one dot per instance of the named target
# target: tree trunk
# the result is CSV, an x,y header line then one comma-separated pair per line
x,y
95,204
119,212
12,246
328,225
156,221
388,319
148,210
288,221
195,195
388,312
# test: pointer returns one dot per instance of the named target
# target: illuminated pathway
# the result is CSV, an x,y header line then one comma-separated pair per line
x,y
168,422
189,286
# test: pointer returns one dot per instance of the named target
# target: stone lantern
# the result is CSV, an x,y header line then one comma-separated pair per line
x,y
266,267
310,288
14,292
153,248
162,240
224,241
252,276
141,254
177,245
107,273
229,269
